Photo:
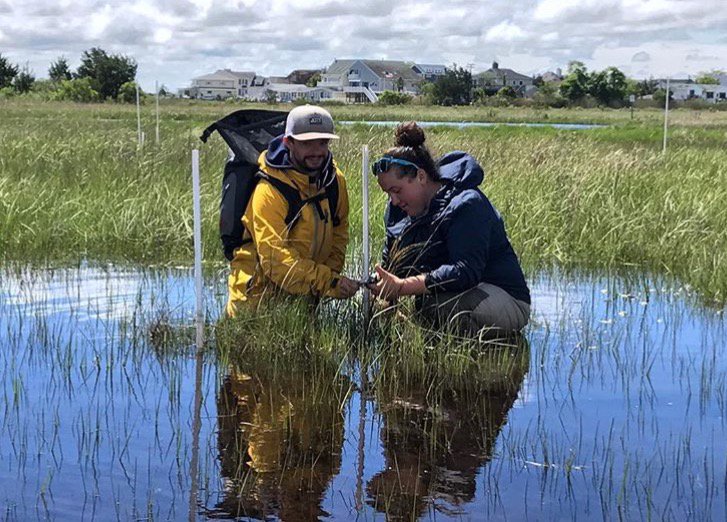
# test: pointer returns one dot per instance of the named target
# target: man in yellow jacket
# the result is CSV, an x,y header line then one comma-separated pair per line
x,y
306,256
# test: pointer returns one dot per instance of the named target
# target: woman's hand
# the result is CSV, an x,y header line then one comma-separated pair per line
x,y
388,286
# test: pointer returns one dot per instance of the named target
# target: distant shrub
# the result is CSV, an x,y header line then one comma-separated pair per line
x,y
78,90
394,98
331,103
127,93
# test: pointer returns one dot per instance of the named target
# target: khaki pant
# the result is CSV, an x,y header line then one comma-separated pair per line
x,y
484,306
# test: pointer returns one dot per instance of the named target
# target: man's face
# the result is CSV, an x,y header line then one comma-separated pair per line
x,y
309,153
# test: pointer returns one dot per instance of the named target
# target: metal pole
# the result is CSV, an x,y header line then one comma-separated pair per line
x,y
365,227
666,116
138,116
156,86
194,464
197,234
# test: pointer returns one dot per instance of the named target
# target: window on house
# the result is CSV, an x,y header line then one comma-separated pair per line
x,y
710,95
723,95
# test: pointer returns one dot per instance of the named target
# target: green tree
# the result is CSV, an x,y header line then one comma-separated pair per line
x,y
660,96
575,84
77,90
24,80
399,84
706,79
127,93
313,80
608,86
59,70
507,93
107,72
8,71
454,87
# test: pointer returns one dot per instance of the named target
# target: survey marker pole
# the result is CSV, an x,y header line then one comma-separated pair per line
x,y
138,117
666,116
199,322
365,229
156,86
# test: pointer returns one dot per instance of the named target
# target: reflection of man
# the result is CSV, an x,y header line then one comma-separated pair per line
x,y
280,443
436,439
304,256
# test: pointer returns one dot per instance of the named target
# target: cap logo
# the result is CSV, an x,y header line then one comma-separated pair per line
x,y
315,120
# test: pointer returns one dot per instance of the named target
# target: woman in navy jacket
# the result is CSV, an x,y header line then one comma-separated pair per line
x,y
446,243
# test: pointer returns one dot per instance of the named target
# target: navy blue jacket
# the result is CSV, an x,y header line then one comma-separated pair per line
x,y
460,241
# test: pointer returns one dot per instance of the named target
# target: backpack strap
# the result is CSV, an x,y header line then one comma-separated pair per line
x,y
332,195
291,195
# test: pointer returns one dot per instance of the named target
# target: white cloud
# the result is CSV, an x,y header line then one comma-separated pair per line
x,y
173,40
504,32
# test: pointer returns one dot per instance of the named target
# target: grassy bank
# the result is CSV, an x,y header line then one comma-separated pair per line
x,y
73,184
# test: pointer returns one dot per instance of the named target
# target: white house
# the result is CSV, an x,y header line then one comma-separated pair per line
x,y
688,90
289,92
221,84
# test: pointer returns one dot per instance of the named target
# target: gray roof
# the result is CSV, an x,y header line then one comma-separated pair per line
x,y
225,74
503,73
392,69
382,68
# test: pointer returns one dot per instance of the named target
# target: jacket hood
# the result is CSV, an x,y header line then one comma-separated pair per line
x,y
461,169
278,157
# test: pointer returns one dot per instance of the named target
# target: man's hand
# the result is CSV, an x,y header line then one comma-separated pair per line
x,y
346,288
388,286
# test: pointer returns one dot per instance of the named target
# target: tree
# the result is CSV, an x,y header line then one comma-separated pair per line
x,y
8,71
313,80
399,84
78,90
59,70
608,86
107,72
707,79
24,81
507,93
127,93
575,85
454,87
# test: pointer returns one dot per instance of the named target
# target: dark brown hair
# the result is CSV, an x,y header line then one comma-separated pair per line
x,y
409,145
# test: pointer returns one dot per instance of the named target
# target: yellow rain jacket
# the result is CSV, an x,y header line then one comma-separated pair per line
x,y
306,260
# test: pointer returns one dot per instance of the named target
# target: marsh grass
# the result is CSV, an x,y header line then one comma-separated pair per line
x,y
73,184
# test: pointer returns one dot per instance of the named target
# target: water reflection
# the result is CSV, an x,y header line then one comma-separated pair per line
x,y
280,438
439,430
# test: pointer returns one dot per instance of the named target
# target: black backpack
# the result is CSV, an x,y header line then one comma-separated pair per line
x,y
248,132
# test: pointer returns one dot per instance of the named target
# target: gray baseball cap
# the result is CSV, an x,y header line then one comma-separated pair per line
x,y
309,122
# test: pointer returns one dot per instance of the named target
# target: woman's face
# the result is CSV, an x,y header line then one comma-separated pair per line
x,y
407,193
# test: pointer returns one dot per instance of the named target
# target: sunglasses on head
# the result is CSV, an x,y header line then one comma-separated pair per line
x,y
385,163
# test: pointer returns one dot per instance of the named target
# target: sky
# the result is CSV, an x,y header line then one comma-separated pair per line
x,y
176,40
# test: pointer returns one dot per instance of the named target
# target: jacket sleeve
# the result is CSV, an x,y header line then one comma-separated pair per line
x,y
280,260
468,241
340,233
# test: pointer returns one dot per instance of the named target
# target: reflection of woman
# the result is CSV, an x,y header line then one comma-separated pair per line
x,y
446,243
439,430
280,443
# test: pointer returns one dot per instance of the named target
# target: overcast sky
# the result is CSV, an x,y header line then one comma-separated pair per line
x,y
175,40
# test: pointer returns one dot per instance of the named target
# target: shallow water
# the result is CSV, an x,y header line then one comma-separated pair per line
x,y
615,408
467,124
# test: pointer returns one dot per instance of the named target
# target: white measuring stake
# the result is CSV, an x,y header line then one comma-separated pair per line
x,y
666,116
156,85
197,235
138,117
365,225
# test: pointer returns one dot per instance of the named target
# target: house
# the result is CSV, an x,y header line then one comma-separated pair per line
x,y
552,77
430,72
495,78
221,84
290,92
363,80
689,90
